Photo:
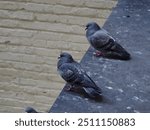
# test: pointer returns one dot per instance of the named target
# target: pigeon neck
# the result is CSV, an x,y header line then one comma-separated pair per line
x,y
91,32
64,60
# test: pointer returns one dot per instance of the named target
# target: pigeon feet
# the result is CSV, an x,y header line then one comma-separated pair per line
x,y
98,53
68,87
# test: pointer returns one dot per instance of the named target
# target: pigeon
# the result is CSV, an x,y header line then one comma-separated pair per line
x,y
77,79
104,43
30,110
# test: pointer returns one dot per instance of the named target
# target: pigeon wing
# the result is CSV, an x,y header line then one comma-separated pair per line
x,y
70,73
104,31
87,81
101,40
92,93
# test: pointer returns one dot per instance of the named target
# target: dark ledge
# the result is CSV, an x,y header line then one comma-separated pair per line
x,y
125,84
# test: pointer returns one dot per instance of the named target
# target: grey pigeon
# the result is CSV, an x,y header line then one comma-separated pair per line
x,y
30,110
76,77
104,43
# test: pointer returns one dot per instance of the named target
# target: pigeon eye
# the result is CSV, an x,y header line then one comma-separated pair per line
x,y
61,55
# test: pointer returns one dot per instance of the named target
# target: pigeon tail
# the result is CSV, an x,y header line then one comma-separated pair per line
x,y
93,94
116,55
117,52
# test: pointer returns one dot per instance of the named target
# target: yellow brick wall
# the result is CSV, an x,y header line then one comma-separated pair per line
x,y
32,35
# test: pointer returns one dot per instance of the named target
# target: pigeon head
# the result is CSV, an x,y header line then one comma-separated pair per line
x,y
92,26
65,57
30,110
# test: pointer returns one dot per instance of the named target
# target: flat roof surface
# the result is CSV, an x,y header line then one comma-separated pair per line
x,y
125,84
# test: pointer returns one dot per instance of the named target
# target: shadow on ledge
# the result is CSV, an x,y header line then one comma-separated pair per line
x,y
125,84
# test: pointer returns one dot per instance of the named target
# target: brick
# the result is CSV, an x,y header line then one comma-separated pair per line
x,y
50,60
79,47
25,89
51,2
4,14
48,91
27,66
62,2
22,15
21,41
38,7
21,57
8,72
4,79
31,59
76,3
11,5
100,4
4,64
59,9
46,52
68,45
10,109
54,78
90,12
42,76
19,103
49,69
3,47
38,83
25,82
16,15
78,20
25,96
35,67
18,32
50,85
58,44
9,23
108,4
19,0
74,38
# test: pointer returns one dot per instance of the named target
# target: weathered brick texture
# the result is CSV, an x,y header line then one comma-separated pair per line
x,y
32,35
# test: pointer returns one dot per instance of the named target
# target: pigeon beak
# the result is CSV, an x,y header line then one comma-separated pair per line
x,y
59,57
86,28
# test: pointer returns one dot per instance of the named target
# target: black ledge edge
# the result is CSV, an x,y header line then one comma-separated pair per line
x,y
125,84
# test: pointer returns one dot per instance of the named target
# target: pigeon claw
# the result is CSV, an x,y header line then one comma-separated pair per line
x,y
98,54
68,87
